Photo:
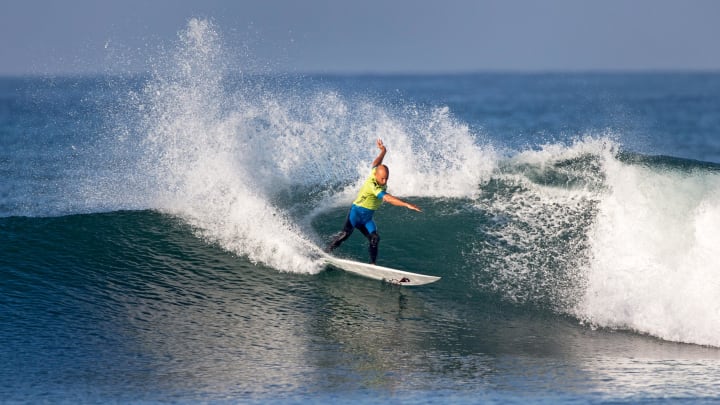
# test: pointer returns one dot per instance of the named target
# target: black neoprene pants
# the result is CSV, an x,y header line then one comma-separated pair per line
x,y
348,229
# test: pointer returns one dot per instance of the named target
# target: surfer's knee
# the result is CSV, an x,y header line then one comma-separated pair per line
x,y
374,239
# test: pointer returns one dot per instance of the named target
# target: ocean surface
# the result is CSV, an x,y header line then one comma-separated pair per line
x,y
160,236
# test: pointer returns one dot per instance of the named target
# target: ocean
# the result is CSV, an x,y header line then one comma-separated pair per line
x,y
161,236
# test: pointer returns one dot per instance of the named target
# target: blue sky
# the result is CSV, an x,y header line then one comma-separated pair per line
x,y
91,36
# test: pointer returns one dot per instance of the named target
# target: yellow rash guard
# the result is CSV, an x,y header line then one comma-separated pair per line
x,y
371,193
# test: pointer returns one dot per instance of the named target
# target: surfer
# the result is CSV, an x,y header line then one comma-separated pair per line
x,y
371,195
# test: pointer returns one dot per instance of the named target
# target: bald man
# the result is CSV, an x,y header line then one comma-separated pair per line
x,y
371,195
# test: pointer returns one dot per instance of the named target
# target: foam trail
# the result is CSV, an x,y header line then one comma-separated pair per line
x,y
198,163
653,263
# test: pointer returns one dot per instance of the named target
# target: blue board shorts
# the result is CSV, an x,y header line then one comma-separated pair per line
x,y
360,216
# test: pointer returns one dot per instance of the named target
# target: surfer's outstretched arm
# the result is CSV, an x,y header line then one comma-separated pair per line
x,y
400,203
378,160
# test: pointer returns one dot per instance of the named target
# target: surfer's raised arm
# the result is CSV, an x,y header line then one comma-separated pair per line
x,y
382,173
379,159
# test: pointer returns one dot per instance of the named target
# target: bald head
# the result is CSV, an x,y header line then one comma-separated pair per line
x,y
382,174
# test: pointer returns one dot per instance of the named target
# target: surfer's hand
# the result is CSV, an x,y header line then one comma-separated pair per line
x,y
413,207
380,144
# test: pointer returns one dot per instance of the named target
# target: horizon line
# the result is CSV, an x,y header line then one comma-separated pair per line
x,y
391,72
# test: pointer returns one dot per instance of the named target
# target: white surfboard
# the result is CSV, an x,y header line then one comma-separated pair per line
x,y
376,272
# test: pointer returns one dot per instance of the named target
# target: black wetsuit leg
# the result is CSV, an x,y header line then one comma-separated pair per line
x,y
373,247
341,236
348,229
374,240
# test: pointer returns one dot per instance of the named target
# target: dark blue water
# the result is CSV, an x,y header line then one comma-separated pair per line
x,y
159,236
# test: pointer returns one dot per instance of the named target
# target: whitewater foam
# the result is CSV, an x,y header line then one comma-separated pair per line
x,y
542,204
617,244
221,154
653,262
